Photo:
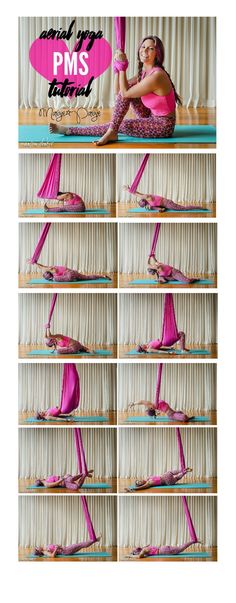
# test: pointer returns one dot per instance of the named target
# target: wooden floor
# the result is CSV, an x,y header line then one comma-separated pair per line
x,y
111,207
122,552
123,416
123,212
24,351
124,349
111,416
125,483
24,555
23,282
24,483
125,279
184,116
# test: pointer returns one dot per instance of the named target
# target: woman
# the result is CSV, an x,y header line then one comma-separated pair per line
x,y
153,411
62,274
165,273
53,550
70,482
167,479
151,94
152,551
160,204
70,202
63,344
156,344
51,413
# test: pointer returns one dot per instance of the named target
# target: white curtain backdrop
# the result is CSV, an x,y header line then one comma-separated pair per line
x,y
92,176
44,452
186,387
190,57
140,317
144,452
84,247
183,178
59,520
40,386
190,247
89,318
160,520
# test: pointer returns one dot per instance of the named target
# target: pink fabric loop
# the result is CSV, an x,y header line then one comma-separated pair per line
x,y
181,450
53,302
40,244
121,65
88,520
170,333
119,23
191,528
155,239
135,183
70,394
51,183
158,385
82,465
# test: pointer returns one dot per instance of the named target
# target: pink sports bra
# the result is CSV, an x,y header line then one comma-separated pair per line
x,y
59,270
156,201
74,201
165,270
153,550
53,412
64,342
163,406
159,104
52,478
156,480
155,344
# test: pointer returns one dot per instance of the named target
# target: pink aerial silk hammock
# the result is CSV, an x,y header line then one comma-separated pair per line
x,y
120,32
40,244
189,520
82,466
53,302
50,186
154,240
181,450
70,393
158,385
139,174
170,333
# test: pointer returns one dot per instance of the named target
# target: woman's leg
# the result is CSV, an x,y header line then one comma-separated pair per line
x,y
177,275
172,205
71,549
175,550
182,341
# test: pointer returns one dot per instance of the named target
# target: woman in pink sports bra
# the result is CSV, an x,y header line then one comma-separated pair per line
x,y
156,344
150,93
158,203
53,550
69,202
165,273
152,411
63,344
62,274
166,479
70,482
152,551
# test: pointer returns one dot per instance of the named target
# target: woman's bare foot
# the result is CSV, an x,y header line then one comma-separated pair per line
x,y
188,469
99,538
55,129
110,136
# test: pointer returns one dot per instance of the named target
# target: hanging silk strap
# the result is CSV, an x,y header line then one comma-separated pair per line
x,y
154,240
50,186
191,528
170,334
82,465
120,32
158,385
139,174
181,450
40,244
53,302
88,520
70,393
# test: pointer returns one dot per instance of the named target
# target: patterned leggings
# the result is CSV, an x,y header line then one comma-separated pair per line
x,y
175,550
65,208
171,477
146,126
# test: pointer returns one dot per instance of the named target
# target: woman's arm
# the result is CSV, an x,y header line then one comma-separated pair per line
x,y
116,84
149,84
143,553
141,403
43,266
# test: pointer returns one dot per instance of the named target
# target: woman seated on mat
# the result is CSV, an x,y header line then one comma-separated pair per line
x,y
150,93
167,479
62,274
152,411
155,202
52,550
152,551
165,273
156,344
70,482
63,344
69,202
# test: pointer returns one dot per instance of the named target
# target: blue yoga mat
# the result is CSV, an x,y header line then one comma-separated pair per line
x,y
182,556
189,486
39,211
146,419
149,281
103,486
46,353
143,210
68,419
43,281
193,134
77,555
172,352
